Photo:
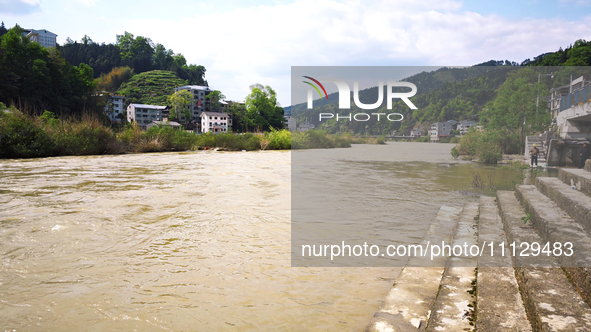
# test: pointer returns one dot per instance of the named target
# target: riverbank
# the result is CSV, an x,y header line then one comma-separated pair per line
x,y
24,136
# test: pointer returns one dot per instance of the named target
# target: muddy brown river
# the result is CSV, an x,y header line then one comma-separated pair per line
x,y
195,241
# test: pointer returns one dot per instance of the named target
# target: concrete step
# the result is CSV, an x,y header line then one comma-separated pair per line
x,y
588,165
579,178
574,203
555,225
518,231
499,305
409,303
453,309
551,300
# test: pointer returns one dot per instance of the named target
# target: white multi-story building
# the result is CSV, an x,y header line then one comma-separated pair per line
x,y
464,126
114,107
43,37
198,103
290,123
439,130
214,122
145,114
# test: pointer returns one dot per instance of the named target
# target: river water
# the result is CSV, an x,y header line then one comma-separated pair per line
x,y
195,241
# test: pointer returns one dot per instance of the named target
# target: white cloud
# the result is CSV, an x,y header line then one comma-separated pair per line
x,y
89,3
19,7
260,44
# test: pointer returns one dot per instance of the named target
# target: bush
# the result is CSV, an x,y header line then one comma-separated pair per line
x,y
276,140
455,152
489,153
487,145
228,141
23,137
87,137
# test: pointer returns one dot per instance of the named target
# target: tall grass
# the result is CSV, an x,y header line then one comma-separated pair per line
x,y
27,136
319,139
229,142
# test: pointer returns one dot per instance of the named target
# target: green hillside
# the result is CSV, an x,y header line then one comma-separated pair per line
x,y
152,87
444,94
425,82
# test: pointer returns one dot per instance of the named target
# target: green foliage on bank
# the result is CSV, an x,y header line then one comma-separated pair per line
x,y
276,140
487,146
318,139
24,136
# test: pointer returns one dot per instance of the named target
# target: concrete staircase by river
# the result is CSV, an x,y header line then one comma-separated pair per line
x,y
510,292
529,143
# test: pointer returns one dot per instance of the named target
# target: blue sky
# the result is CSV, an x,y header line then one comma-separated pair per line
x,y
246,42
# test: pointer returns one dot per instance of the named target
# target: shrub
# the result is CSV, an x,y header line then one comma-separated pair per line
x,y
489,153
276,140
22,137
455,152
228,141
87,137
487,145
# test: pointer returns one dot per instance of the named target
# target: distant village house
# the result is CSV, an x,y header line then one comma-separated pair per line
x,y
214,122
43,37
144,114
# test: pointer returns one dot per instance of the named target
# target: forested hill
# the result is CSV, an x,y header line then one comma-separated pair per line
x,y
425,82
65,80
139,53
445,94
455,99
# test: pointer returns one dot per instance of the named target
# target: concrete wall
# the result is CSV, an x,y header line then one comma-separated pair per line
x,y
575,122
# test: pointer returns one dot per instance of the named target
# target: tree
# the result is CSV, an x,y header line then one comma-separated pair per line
x,y
214,98
239,118
180,102
263,112
86,40
3,29
142,51
124,42
515,108
163,58
179,60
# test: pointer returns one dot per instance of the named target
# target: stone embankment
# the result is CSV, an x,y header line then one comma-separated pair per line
x,y
523,289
